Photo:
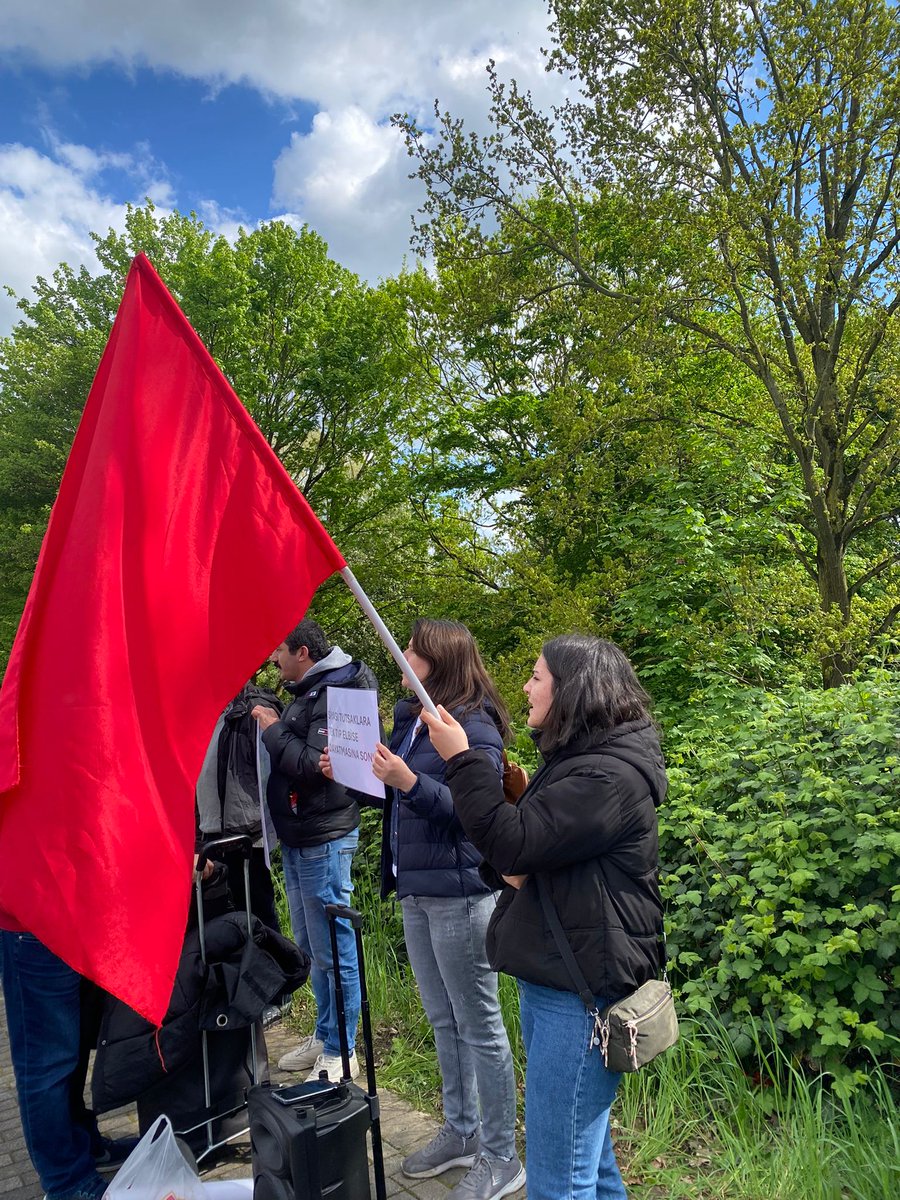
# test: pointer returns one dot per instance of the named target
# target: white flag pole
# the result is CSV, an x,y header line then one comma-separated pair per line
x,y
385,634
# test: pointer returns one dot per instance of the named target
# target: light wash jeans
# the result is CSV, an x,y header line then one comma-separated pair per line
x,y
313,877
568,1092
445,941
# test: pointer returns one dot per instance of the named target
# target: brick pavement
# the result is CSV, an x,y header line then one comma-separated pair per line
x,y
403,1130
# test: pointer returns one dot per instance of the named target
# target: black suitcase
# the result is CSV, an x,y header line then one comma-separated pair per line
x,y
308,1140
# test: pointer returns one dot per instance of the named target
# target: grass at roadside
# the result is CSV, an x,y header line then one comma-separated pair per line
x,y
694,1124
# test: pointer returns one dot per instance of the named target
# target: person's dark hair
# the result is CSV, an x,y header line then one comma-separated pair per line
x,y
457,677
594,689
309,634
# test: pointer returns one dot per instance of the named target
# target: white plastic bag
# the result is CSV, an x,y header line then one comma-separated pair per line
x,y
156,1170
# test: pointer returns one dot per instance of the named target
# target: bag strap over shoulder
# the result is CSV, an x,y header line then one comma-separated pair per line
x,y
552,917
562,944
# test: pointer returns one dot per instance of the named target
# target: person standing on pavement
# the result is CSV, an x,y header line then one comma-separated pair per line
x,y
446,905
317,821
52,1014
585,832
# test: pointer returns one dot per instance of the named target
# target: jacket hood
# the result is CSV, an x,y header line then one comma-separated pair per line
x,y
635,742
335,667
334,658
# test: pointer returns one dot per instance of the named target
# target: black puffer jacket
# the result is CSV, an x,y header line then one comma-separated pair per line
x,y
588,823
229,991
433,855
308,809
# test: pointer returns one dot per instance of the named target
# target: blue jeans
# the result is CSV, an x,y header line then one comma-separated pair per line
x,y
445,940
315,876
43,1014
568,1092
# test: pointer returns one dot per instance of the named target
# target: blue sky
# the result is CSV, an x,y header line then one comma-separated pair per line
x,y
186,125
241,112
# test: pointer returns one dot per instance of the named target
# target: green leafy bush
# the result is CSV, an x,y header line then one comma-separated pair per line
x,y
780,845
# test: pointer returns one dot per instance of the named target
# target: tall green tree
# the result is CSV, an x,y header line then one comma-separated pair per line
x,y
322,361
627,483
749,153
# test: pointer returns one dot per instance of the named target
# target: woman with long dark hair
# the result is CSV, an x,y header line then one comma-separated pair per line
x,y
430,862
584,832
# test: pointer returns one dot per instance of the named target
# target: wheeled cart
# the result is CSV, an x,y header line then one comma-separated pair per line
x,y
208,1108
210,1050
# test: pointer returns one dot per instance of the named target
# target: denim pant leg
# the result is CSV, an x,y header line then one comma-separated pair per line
x,y
445,940
568,1094
43,1013
315,876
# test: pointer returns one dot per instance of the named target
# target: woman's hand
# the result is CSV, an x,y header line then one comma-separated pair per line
x,y
515,881
447,735
325,764
392,770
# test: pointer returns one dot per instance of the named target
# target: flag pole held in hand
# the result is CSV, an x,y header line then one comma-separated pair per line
x,y
385,634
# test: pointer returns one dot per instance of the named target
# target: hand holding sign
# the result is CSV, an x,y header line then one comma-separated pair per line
x,y
353,736
392,770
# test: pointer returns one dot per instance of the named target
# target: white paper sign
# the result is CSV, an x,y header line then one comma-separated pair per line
x,y
353,734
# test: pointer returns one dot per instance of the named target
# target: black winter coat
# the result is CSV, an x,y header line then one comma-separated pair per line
x,y
241,976
434,856
587,822
308,809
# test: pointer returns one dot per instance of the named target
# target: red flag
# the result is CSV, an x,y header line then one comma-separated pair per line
x,y
178,553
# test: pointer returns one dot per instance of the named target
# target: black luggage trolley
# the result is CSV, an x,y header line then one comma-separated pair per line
x,y
209,1111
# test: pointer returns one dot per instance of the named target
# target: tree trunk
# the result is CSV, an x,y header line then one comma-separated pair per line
x,y
833,594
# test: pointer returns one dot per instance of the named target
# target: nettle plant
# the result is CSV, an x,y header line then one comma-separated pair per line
x,y
780,845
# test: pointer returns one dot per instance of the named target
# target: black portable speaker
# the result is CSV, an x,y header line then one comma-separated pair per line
x,y
309,1141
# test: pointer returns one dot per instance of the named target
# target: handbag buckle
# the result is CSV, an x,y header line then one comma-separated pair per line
x,y
600,1034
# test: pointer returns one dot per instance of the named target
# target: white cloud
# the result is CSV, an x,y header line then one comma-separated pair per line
x,y
223,220
346,52
47,207
355,61
347,179
49,204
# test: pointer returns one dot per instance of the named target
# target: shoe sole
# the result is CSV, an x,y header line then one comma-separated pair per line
x,y
283,1066
467,1160
514,1185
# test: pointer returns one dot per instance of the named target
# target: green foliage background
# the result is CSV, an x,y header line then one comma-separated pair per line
x,y
780,840
637,395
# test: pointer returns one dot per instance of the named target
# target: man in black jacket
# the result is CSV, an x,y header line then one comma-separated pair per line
x,y
317,821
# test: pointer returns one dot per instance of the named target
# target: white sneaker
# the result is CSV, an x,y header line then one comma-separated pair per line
x,y
303,1057
331,1063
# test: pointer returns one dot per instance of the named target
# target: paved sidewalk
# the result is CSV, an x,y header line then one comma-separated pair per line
x,y
403,1130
